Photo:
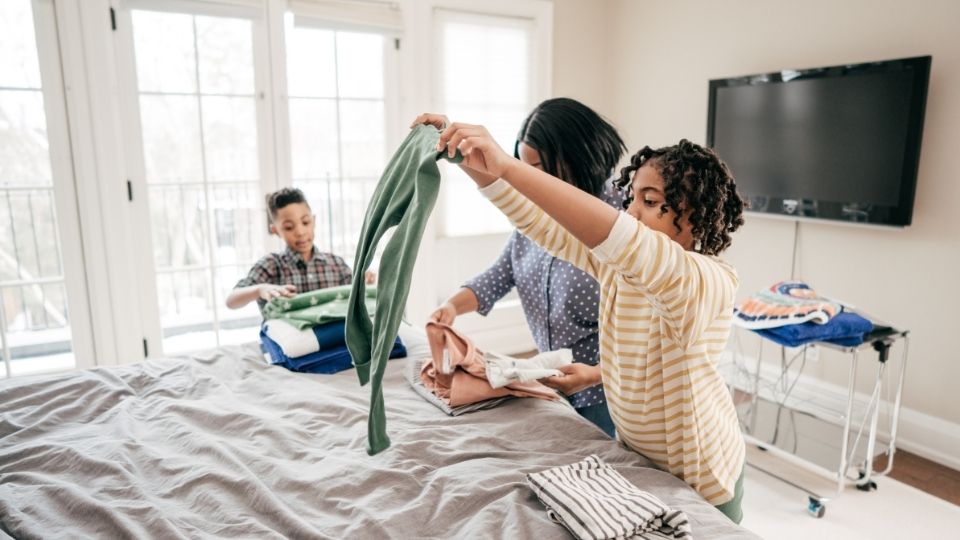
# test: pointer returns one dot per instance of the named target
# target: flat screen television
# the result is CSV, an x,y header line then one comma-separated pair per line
x,y
836,143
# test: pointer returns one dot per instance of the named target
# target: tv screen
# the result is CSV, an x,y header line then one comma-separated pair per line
x,y
837,143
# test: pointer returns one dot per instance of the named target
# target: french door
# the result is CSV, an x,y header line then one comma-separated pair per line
x,y
44,311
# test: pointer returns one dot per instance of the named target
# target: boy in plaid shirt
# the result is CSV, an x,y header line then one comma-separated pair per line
x,y
297,269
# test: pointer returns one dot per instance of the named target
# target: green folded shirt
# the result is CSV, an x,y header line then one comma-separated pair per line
x,y
317,307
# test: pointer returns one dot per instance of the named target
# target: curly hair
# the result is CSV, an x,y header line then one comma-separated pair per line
x,y
695,180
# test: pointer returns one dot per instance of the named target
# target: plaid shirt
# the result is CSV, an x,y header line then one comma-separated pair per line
x,y
288,267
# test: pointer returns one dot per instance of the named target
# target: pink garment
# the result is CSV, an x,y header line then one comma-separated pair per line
x,y
465,381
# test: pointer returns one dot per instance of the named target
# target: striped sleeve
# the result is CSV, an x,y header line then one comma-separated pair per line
x,y
691,291
536,225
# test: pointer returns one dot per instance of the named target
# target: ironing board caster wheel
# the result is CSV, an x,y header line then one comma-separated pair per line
x,y
816,507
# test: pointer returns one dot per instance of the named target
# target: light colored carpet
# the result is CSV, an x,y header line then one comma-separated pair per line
x,y
776,510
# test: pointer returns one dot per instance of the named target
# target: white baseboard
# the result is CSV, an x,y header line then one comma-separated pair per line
x,y
925,435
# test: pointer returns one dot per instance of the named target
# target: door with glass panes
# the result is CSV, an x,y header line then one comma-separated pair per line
x,y
204,151
44,312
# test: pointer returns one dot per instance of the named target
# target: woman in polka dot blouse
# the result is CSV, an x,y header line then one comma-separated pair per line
x,y
569,140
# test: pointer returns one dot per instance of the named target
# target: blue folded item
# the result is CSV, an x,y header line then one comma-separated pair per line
x,y
845,329
325,361
330,335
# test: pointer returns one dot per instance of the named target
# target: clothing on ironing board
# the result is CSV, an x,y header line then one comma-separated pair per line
x,y
592,500
403,199
457,373
845,329
784,303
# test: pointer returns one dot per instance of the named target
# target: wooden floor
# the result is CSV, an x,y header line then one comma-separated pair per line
x,y
925,475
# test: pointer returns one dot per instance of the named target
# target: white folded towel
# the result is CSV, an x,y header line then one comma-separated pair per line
x,y
503,370
292,341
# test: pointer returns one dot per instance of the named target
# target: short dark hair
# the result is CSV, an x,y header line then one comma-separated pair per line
x,y
281,198
694,177
570,136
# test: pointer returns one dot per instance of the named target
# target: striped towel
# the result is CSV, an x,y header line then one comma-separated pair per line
x,y
592,500
782,304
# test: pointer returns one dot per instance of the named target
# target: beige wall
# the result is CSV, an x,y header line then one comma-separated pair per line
x,y
581,48
664,52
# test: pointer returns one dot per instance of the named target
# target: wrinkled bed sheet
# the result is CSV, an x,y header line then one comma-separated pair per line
x,y
224,445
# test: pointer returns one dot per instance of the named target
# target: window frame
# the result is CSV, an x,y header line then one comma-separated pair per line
x,y
149,309
64,191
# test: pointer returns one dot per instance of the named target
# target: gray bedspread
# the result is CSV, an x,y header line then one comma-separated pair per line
x,y
223,445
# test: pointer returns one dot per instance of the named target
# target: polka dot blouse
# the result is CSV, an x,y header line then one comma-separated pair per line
x,y
560,302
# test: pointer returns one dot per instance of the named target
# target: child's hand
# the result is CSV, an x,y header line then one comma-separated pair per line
x,y
370,277
438,121
576,377
480,152
269,291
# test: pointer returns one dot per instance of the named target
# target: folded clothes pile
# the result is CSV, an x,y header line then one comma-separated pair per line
x,y
458,377
792,314
306,333
592,500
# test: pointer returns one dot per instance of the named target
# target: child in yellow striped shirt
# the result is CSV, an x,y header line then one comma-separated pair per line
x,y
666,300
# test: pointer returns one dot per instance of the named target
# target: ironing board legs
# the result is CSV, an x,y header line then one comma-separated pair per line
x,y
844,462
892,448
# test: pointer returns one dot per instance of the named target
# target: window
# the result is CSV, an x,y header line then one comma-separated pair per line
x,y
496,88
37,301
198,123
338,123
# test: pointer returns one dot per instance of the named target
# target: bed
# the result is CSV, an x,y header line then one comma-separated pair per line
x,y
223,445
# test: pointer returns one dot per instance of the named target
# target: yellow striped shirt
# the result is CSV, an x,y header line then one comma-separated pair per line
x,y
665,316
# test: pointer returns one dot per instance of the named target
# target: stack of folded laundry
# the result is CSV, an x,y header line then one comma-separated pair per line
x,y
459,378
792,314
305,333
592,500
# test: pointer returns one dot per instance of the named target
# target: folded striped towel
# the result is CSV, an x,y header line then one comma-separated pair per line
x,y
593,501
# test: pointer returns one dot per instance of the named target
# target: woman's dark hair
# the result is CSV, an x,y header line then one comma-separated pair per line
x,y
574,143
281,198
694,178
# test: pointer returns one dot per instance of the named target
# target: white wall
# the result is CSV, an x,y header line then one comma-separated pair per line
x,y
580,49
663,54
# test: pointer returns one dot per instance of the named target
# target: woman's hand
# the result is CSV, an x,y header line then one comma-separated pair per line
x,y
480,152
576,377
269,291
445,314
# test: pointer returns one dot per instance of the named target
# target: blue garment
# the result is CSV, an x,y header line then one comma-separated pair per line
x,y
845,329
326,361
600,416
330,335
560,301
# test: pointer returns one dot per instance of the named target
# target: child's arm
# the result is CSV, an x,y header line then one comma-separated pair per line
x,y
691,290
242,296
260,282
586,217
